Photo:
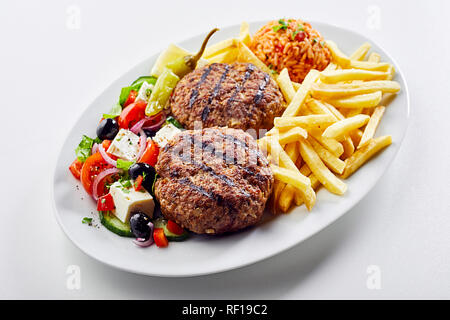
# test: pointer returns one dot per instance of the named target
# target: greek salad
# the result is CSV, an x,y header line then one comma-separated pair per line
x,y
117,167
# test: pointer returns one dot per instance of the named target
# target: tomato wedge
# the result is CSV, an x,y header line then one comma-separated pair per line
x,y
132,114
105,203
75,168
174,228
150,155
131,98
160,238
91,168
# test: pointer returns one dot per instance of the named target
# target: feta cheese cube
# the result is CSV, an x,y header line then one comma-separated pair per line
x,y
145,91
125,145
165,134
128,201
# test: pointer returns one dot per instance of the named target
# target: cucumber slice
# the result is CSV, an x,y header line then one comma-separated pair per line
x,y
161,223
138,82
115,225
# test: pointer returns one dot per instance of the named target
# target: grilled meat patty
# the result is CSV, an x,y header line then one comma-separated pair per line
x,y
237,96
213,180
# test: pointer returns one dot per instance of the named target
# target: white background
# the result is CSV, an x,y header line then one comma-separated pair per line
x,y
50,72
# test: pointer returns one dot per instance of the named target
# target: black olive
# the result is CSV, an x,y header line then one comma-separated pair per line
x,y
150,133
144,170
107,129
139,225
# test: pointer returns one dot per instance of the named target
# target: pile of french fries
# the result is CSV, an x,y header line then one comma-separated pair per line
x,y
327,130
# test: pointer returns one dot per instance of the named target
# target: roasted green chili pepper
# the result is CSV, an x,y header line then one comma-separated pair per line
x,y
161,92
186,64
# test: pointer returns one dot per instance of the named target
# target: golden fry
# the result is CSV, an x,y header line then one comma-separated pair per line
x,y
372,125
299,98
330,160
246,55
374,57
361,52
351,89
321,172
244,33
285,84
296,179
341,128
310,121
219,47
335,76
368,100
331,145
292,135
363,154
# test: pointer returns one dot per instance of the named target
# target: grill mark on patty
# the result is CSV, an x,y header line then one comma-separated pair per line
x,y
209,194
262,86
213,151
194,93
208,169
244,145
214,93
239,87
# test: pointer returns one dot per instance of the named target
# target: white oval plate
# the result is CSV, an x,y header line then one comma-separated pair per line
x,y
204,255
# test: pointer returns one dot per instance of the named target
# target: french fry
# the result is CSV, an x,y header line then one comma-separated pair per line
x,y
310,121
356,136
361,52
331,66
295,179
341,128
278,187
348,146
351,89
246,55
321,172
318,107
368,100
287,195
335,76
285,84
363,154
299,98
374,57
227,56
345,62
219,47
296,85
366,65
331,145
244,33
292,151
292,135
338,56
330,160
281,157
372,125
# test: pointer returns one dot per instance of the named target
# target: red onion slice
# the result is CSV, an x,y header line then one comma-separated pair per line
x,y
142,144
139,242
155,126
94,148
106,157
102,175
138,126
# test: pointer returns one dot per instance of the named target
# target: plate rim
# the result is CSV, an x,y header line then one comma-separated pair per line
x,y
271,254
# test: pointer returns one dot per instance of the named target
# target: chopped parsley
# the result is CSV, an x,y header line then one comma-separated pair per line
x,y
282,25
123,164
87,220
300,28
